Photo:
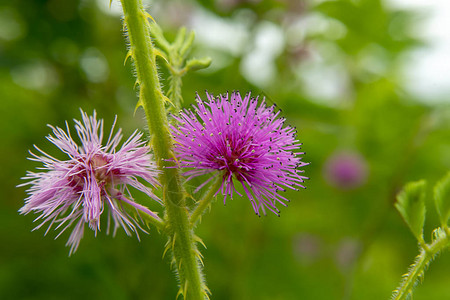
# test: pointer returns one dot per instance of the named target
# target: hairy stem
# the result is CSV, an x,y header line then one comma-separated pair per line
x,y
204,203
145,214
418,268
176,60
181,237
174,92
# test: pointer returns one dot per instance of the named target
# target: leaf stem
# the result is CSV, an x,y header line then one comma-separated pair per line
x,y
418,268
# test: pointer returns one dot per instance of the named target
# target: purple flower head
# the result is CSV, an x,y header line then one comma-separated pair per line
x,y
241,141
94,177
346,170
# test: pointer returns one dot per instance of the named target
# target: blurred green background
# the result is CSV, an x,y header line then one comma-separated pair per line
x,y
335,68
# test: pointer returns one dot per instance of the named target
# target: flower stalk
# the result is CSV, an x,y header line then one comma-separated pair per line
x,y
205,202
182,241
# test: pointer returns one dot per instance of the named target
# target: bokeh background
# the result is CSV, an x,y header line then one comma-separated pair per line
x,y
342,72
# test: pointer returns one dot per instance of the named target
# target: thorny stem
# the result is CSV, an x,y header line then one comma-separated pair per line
x,y
151,98
418,268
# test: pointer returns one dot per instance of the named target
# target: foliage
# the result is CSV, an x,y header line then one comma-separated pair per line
x,y
411,205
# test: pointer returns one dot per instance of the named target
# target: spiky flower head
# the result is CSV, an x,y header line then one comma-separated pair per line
x,y
242,141
94,179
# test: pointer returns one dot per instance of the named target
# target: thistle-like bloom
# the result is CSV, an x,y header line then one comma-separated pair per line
x,y
238,139
92,179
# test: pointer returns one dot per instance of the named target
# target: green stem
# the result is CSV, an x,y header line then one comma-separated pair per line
x,y
181,237
149,218
174,92
418,268
204,203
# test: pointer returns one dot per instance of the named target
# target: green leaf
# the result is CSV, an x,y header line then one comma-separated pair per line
x,y
187,44
197,64
411,205
158,36
442,199
179,38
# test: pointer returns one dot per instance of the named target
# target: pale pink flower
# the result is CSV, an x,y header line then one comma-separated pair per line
x,y
92,181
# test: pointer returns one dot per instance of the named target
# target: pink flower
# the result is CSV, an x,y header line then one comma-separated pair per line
x,y
346,170
241,141
93,179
